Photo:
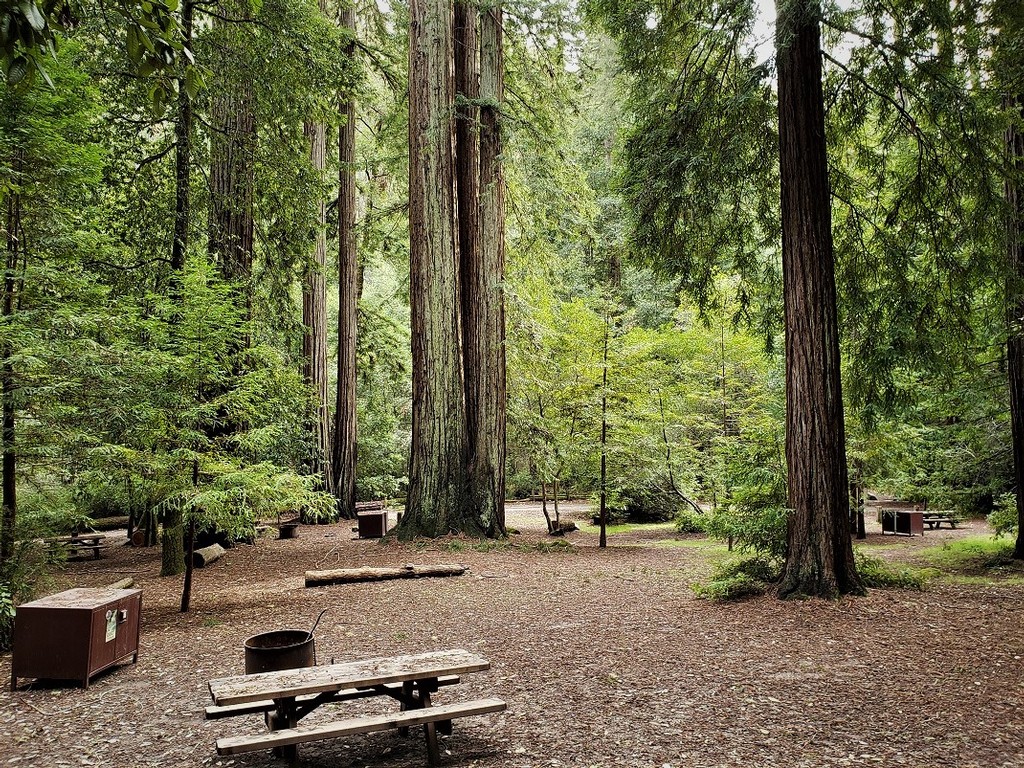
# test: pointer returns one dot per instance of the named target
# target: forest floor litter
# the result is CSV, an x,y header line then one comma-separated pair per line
x,y
605,658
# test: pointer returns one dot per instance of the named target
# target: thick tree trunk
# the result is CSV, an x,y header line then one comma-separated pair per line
x,y
172,540
1015,304
345,425
14,246
483,286
819,560
232,145
435,504
314,321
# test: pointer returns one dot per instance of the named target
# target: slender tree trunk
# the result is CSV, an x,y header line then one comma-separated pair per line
x,y
435,504
172,540
345,425
484,307
467,187
1015,304
544,506
819,560
603,512
314,321
182,165
190,548
14,246
554,498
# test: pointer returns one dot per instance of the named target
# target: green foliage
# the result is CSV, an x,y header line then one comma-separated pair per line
x,y
698,162
688,520
29,32
644,502
974,555
754,512
1004,518
7,612
736,579
875,573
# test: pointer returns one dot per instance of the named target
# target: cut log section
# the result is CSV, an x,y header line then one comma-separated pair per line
x,y
355,575
207,555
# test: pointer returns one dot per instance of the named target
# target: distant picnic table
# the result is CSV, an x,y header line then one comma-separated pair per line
x,y
286,696
935,519
78,544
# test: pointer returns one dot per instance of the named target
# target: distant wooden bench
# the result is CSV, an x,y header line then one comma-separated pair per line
x,y
935,519
286,696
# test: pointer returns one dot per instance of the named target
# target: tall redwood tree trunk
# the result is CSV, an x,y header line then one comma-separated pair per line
x,y
314,321
1015,304
14,242
819,560
232,149
485,347
345,429
435,502
172,556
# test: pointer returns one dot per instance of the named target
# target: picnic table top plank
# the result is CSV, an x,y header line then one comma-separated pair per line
x,y
241,689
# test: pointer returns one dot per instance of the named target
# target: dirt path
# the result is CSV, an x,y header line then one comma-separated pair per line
x,y
604,657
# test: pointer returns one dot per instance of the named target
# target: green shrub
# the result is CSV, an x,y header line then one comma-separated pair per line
x,y
751,526
520,485
642,501
689,521
733,588
1003,517
6,617
736,579
878,574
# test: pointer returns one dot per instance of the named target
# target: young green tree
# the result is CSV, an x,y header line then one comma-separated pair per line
x,y
48,163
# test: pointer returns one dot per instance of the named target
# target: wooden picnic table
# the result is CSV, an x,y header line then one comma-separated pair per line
x,y
79,543
286,696
935,519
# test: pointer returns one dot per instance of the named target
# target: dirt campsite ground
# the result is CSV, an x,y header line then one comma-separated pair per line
x,y
605,658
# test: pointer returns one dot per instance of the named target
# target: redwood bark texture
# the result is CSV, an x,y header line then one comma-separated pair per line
x,y
232,145
481,263
345,428
434,505
1015,304
314,322
487,312
15,246
172,555
819,560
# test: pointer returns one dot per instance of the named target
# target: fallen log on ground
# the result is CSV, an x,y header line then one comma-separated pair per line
x,y
126,583
354,575
207,555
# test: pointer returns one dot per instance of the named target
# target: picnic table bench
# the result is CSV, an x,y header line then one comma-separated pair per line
x,y
286,696
78,544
